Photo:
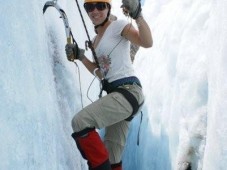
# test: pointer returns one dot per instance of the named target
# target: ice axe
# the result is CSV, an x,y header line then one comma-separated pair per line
x,y
63,16
68,32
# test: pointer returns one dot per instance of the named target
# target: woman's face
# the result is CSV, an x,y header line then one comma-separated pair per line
x,y
97,11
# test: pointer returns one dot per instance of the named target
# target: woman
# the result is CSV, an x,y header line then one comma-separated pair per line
x,y
124,92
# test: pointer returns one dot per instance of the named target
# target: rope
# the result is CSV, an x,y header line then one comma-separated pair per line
x,y
89,40
89,90
81,96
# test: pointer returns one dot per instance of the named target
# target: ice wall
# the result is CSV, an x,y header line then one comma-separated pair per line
x,y
183,76
37,90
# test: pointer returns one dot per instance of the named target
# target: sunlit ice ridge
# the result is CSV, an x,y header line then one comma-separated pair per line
x,y
183,77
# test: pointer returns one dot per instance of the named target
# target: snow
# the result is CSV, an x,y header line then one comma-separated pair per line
x,y
183,76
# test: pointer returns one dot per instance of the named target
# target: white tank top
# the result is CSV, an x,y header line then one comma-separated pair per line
x,y
113,53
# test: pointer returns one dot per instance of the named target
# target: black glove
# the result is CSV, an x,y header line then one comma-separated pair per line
x,y
132,7
73,52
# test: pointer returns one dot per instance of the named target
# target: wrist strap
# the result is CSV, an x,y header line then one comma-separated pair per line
x,y
81,57
137,13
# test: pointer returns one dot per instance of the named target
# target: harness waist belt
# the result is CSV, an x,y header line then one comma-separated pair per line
x,y
109,87
125,81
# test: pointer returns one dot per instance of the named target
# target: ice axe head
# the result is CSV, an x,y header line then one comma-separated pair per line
x,y
48,4
63,16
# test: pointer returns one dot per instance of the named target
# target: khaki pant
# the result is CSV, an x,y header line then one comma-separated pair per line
x,y
110,112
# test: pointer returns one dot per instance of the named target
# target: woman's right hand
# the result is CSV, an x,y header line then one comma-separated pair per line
x,y
73,52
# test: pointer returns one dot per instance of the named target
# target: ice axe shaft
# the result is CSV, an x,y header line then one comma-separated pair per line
x,y
63,16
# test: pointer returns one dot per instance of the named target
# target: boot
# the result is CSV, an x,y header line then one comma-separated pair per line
x,y
92,149
117,166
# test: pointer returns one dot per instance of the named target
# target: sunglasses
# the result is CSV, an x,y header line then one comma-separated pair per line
x,y
89,7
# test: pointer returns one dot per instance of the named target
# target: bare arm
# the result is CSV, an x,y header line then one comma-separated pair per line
x,y
91,66
142,36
